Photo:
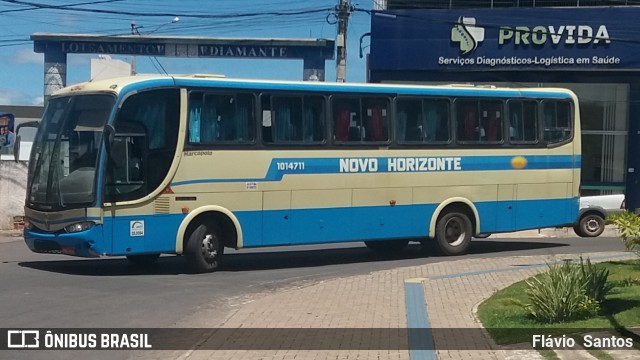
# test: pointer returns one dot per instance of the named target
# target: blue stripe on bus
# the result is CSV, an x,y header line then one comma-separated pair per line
x,y
313,226
312,166
332,225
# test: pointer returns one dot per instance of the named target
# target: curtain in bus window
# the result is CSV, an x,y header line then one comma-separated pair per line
x,y
307,125
153,117
470,120
402,125
494,125
375,124
429,123
242,122
342,125
209,121
516,125
282,125
194,120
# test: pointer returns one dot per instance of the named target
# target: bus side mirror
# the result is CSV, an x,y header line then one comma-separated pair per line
x,y
109,134
18,137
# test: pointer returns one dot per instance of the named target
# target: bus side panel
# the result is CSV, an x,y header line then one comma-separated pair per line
x,y
326,225
135,234
251,224
535,214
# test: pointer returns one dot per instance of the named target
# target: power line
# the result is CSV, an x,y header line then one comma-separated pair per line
x,y
34,7
186,15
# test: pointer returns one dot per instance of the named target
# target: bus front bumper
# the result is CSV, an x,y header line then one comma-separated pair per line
x,y
88,243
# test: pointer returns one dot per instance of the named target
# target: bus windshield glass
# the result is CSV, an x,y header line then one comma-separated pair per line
x,y
65,155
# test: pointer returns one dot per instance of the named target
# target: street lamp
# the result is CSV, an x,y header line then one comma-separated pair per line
x,y
135,31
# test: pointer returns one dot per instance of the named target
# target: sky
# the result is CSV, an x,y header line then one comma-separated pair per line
x,y
22,72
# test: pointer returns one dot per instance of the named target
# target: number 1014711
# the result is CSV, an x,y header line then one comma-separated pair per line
x,y
290,165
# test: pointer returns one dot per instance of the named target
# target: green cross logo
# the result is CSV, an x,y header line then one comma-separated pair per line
x,y
467,34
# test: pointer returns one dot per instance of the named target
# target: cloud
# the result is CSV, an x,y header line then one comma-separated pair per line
x,y
8,96
26,56
16,97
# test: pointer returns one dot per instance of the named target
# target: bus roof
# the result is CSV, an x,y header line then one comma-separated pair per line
x,y
141,82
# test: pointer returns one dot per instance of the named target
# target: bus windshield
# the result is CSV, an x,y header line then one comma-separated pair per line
x,y
65,155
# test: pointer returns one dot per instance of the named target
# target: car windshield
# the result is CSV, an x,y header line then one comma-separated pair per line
x,y
65,153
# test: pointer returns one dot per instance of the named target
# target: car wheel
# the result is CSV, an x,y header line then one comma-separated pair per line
x,y
589,225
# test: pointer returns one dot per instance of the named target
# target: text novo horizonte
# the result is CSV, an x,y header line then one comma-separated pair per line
x,y
400,164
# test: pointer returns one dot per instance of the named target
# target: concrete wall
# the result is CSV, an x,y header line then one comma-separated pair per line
x,y
13,185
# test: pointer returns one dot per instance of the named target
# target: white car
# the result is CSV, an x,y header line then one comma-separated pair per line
x,y
593,211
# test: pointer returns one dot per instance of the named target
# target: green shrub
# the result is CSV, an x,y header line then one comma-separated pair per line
x,y
596,286
628,224
627,282
567,292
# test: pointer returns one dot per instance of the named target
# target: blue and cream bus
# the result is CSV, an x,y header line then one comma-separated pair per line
x,y
141,166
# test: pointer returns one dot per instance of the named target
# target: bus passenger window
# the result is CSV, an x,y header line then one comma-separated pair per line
x,y
292,119
408,121
523,122
435,121
491,121
360,119
479,121
376,119
422,121
221,118
557,121
346,126
468,125
313,119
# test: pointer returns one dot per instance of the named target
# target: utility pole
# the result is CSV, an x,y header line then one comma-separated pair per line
x,y
343,11
134,30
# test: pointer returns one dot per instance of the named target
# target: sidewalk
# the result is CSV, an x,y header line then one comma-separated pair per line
x,y
435,296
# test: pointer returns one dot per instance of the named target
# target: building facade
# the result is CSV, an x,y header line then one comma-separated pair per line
x,y
590,47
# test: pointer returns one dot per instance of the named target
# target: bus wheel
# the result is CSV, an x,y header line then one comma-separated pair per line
x,y
204,247
388,246
453,233
143,260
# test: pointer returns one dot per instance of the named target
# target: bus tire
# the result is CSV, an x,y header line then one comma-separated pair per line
x,y
453,233
204,247
387,246
143,260
589,225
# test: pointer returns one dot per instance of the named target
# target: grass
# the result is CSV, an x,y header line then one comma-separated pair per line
x,y
507,321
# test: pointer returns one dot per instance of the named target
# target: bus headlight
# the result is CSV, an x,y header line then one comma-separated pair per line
x,y
81,226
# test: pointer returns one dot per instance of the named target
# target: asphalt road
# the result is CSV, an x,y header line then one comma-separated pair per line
x,y
56,291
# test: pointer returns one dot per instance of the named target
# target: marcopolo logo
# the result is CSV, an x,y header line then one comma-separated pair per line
x,y
467,34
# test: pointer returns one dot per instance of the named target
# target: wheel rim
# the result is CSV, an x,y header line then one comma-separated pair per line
x,y
209,249
454,232
592,225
